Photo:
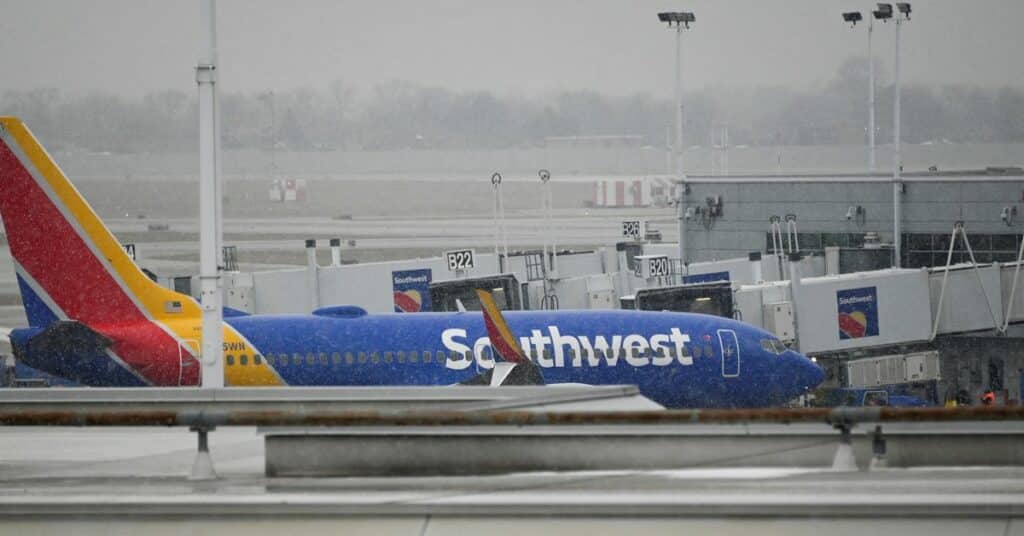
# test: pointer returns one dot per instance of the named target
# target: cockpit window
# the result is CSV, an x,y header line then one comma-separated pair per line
x,y
774,346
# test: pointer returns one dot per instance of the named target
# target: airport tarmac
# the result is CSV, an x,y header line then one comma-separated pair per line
x,y
126,479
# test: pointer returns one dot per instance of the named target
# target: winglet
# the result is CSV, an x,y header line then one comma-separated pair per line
x,y
504,343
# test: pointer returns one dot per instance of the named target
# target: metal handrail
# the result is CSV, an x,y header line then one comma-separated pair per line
x,y
842,416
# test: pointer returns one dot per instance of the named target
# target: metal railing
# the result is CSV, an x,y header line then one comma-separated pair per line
x,y
297,416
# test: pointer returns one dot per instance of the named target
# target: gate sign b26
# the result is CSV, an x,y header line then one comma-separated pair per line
x,y
633,229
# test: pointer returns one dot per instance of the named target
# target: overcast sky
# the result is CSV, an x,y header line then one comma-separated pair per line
x,y
524,47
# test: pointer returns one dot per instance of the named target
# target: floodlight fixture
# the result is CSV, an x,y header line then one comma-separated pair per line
x,y
679,18
904,8
853,17
883,13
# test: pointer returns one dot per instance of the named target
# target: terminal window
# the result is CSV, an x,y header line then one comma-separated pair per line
x,y
932,249
919,249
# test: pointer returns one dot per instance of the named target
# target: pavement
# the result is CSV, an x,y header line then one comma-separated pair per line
x,y
128,479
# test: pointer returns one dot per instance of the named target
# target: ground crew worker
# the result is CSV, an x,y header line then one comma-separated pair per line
x,y
988,399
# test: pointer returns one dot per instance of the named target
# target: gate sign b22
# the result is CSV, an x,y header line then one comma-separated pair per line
x,y
459,260
633,229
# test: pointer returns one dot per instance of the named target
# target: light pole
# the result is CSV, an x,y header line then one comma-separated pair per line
x,y
681,20
211,354
500,235
853,17
884,13
547,204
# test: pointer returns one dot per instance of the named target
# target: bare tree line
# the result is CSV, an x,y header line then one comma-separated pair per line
x,y
404,115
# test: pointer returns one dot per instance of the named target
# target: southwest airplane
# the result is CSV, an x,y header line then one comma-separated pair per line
x,y
94,317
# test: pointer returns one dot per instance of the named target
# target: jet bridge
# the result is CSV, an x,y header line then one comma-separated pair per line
x,y
886,307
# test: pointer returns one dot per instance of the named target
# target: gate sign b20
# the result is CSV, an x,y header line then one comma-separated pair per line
x,y
459,260
633,229
648,266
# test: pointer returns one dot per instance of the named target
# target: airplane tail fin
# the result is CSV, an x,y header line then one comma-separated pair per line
x,y
69,265
512,365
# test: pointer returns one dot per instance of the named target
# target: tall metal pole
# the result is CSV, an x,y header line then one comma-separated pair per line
x,y
504,229
681,177
273,138
897,184
551,228
546,205
871,98
500,234
209,201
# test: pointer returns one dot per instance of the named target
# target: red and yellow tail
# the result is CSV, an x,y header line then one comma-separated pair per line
x,y
70,267
502,340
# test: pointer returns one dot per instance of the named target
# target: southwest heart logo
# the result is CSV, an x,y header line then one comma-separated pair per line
x,y
854,325
408,301
857,312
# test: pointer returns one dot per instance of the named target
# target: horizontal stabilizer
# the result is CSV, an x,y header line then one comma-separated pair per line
x,y
504,374
68,337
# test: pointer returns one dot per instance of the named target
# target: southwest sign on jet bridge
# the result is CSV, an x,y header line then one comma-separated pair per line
x,y
96,318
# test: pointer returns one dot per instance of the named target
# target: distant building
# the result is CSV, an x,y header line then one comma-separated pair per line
x,y
287,190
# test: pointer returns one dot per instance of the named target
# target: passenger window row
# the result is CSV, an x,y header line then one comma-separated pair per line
x,y
243,360
348,358
428,356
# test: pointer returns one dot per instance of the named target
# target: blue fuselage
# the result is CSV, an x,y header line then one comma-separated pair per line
x,y
676,359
